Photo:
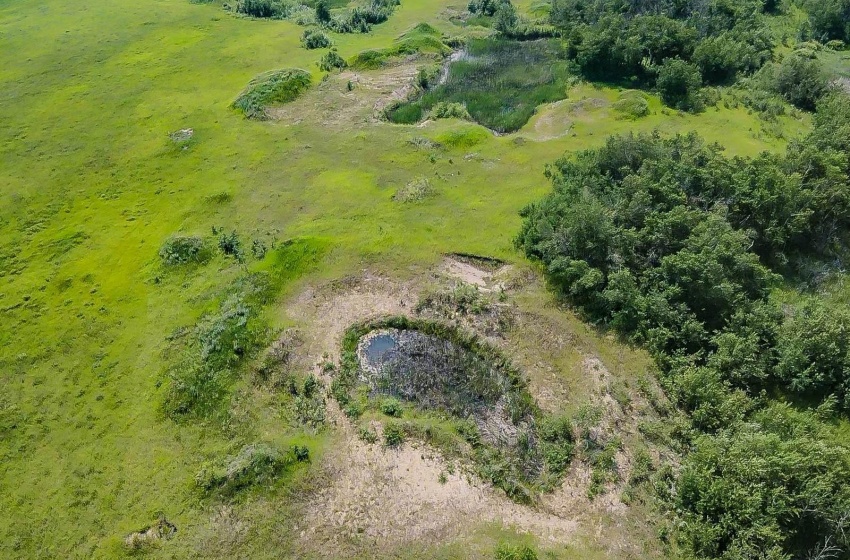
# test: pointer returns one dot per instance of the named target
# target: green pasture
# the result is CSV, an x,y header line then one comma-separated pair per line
x,y
91,185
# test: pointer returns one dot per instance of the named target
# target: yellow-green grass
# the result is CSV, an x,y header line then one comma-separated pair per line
x,y
91,185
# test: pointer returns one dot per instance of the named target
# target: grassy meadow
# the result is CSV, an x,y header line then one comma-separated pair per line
x,y
91,185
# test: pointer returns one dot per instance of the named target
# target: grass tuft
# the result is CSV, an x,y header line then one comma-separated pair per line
x,y
271,88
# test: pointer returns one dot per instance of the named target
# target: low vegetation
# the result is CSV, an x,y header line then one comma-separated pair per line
x,y
423,39
254,465
499,82
269,89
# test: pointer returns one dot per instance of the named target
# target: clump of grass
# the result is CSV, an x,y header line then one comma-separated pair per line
x,y
310,407
463,299
367,435
414,191
184,249
500,82
271,88
254,465
463,138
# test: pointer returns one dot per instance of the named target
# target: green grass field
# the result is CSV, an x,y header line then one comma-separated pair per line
x,y
91,185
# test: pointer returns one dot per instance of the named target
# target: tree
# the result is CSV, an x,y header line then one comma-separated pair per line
x,y
801,81
506,18
814,352
323,13
679,83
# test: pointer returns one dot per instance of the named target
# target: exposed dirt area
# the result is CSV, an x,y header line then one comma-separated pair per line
x,y
373,498
333,103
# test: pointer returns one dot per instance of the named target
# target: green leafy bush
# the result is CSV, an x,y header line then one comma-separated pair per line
x,y
391,407
331,61
506,551
448,110
271,88
814,352
801,81
315,39
260,8
679,83
393,434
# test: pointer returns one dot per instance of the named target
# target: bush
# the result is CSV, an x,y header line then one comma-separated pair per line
x,y
181,249
393,434
230,245
801,81
507,551
679,83
391,407
446,110
277,87
814,352
771,488
332,61
323,12
315,39
260,8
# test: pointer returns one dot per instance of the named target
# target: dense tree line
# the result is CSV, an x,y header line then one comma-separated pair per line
x,y
679,248
677,46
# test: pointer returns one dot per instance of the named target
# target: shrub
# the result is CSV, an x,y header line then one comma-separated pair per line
x,y
260,8
507,551
181,249
279,86
679,83
814,352
485,7
448,110
332,61
801,81
315,39
393,434
367,435
230,245
323,12
391,407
